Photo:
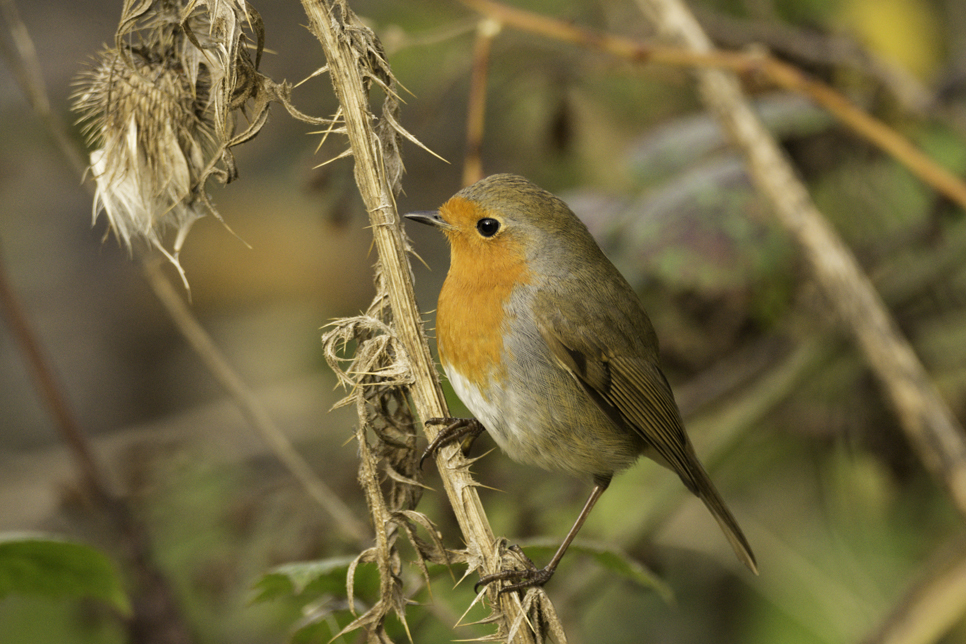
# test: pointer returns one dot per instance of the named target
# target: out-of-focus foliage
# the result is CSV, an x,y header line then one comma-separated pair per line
x,y
905,32
842,515
36,564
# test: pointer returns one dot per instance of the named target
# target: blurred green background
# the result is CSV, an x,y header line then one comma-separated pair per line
x,y
781,407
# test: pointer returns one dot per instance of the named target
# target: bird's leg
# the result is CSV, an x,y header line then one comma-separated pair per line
x,y
464,430
533,576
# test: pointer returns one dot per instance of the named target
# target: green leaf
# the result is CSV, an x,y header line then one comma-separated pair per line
x,y
613,559
323,576
42,564
626,566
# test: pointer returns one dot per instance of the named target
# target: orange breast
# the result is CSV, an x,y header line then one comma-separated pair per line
x,y
470,317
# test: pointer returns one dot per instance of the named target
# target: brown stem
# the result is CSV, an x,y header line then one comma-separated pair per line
x,y
250,407
427,396
486,31
25,66
156,618
761,65
50,389
927,420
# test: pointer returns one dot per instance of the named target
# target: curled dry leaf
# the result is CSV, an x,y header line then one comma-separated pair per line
x,y
375,376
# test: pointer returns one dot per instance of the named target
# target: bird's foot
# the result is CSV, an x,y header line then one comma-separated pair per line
x,y
526,578
462,430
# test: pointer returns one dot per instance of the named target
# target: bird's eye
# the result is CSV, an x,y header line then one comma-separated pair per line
x,y
488,226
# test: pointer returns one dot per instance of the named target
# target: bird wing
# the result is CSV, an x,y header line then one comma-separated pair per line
x,y
623,376
631,390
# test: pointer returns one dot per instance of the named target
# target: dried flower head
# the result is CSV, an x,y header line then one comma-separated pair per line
x,y
154,138
159,108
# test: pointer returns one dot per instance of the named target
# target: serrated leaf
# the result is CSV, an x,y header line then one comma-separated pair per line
x,y
48,565
613,559
630,568
325,576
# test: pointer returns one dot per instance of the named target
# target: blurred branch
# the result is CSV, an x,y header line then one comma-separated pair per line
x,y
928,422
375,187
249,405
726,401
50,390
395,39
719,429
156,614
723,378
26,68
817,49
156,617
833,597
22,60
758,64
486,31
715,432
932,605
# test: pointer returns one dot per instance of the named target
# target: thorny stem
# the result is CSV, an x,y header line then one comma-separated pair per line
x,y
374,187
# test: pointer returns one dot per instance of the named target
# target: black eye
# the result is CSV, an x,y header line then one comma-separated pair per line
x,y
488,226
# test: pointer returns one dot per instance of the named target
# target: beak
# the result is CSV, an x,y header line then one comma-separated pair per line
x,y
430,217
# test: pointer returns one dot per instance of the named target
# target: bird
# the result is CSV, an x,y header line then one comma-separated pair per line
x,y
551,350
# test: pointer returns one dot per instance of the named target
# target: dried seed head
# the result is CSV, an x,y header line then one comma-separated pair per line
x,y
158,108
154,139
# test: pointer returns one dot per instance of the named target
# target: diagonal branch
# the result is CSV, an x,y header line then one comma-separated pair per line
x,y
759,64
929,424
254,412
486,30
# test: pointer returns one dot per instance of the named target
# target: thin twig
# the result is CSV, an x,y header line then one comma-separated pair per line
x,y
22,60
156,617
486,31
759,64
254,412
92,475
836,51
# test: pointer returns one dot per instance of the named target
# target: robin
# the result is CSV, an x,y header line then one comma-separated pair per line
x,y
549,347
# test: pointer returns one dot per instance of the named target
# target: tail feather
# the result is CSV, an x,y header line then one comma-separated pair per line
x,y
704,489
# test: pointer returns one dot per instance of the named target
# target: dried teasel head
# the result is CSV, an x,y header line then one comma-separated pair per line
x,y
158,110
154,140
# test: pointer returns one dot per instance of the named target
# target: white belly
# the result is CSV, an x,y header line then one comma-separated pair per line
x,y
527,423
485,409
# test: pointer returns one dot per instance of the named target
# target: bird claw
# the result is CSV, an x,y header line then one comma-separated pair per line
x,y
526,578
465,430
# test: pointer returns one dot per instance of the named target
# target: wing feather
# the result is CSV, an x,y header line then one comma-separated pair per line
x,y
632,392
635,394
